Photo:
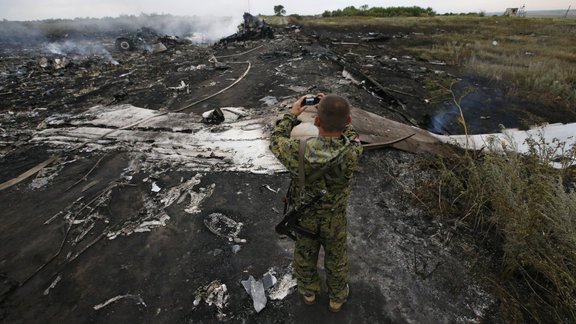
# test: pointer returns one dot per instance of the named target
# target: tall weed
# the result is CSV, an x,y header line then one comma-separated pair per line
x,y
530,208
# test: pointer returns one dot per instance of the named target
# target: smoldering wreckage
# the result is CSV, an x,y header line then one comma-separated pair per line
x,y
137,184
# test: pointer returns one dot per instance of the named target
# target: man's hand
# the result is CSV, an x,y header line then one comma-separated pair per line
x,y
297,107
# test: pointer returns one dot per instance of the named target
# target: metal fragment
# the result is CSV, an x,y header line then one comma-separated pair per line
x,y
214,293
139,300
52,285
255,288
225,227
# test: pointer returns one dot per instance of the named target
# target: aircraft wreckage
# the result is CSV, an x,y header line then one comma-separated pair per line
x,y
140,187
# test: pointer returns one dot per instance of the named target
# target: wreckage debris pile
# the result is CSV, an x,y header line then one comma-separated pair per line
x,y
48,79
87,108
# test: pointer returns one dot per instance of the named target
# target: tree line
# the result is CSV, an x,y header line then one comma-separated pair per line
x,y
364,10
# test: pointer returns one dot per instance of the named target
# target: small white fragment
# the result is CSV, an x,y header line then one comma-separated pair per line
x,y
284,288
269,188
148,225
178,193
182,86
225,227
155,187
269,101
215,294
52,285
196,199
137,298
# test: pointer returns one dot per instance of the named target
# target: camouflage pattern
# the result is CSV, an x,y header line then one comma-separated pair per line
x,y
328,216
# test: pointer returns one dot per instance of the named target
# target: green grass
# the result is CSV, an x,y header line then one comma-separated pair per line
x,y
534,58
517,202
528,210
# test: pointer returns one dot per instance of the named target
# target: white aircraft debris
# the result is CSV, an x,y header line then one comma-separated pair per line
x,y
139,300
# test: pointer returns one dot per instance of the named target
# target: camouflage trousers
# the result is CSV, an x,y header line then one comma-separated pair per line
x,y
332,236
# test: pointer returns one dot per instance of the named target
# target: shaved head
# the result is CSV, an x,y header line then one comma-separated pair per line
x,y
333,111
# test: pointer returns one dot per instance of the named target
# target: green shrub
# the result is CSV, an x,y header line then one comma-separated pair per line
x,y
351,11
527,207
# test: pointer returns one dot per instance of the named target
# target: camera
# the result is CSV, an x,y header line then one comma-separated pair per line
x,y
310,101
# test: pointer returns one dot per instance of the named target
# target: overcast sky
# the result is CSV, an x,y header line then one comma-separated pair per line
x,y
44,9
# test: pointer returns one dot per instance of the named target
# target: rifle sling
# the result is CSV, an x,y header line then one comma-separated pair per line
x,y
301,172
289,224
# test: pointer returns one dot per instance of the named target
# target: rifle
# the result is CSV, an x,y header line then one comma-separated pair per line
x,y
289,224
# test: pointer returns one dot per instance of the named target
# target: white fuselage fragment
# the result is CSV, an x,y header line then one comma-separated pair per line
x,y
516,140
178,138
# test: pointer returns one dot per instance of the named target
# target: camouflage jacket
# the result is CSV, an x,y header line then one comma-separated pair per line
x,y
342,153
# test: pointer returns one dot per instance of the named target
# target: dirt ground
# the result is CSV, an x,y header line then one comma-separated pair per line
x,y
97,223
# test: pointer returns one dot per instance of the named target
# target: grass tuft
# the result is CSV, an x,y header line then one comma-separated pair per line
x,y
530,208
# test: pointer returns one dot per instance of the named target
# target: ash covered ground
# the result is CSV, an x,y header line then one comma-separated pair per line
x,y
140,212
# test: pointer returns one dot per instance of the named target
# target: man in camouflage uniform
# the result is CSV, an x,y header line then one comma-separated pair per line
x,y
337,146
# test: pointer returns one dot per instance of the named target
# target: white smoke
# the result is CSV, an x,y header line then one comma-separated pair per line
x,y
208,29
212,29
79,50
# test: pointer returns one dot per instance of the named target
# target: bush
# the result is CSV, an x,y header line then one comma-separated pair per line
x,y
381,12
527,207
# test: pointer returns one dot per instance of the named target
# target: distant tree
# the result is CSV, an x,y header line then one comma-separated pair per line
x,y
381,12
429,12
279,10
350,11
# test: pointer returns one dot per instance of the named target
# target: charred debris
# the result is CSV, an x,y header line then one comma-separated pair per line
x,y
149,138
251,28
149,40
155,71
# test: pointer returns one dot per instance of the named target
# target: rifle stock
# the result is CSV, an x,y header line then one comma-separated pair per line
x,y
289,224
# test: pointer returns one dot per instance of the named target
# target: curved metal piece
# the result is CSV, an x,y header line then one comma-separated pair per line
x,y
372,146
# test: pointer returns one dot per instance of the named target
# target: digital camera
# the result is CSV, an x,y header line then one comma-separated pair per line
x,y
310,101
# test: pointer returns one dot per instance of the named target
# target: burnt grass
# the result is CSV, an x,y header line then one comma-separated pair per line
x,y
406,266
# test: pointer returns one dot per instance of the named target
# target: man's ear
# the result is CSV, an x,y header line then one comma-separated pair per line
x,y
349,119
317,121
